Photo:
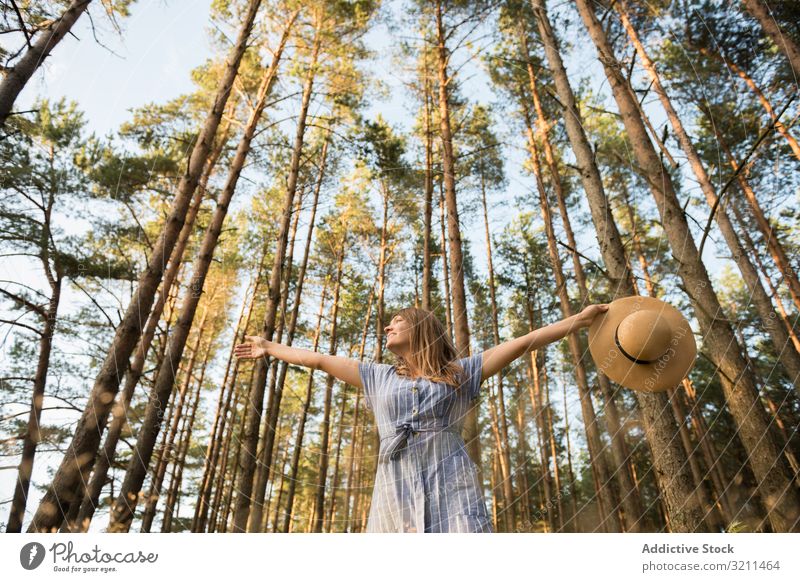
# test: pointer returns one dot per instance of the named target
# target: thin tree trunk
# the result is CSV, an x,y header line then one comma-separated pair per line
x,y
325,424
505,455
277,380
711,456
712,516
774,411
33,435
380,303
428,211
278,385
123,510
225,507
215,442
83,449
183,449
773,243
495,427
457,288
781,39
335,481
789,358
445,270
605,486
220,505
356,419
276,515
751,250
522,457
301,427
170,438
573,493
669,458
535,367
255,406
16,77
554,455
493,479
780,499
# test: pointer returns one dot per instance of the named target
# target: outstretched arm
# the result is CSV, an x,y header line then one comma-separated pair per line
x,y
344,369
498,357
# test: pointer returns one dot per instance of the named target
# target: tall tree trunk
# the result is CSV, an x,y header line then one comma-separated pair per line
x,y
76,466
605,486
428,211
216,440
301,427
750,248
15,78
711,456
445,269
123,400
180,462
277,383
256,398
712,516
457,288
774,245
282,471
171,440
573,493
335,482
790,358
220,505
351,470
277,380
33,433
507,502
505,455
326,415
493,479
782,40
631,501
123,510
554,455
521,454
785,440
49,316
660,429
224,506
380,302
780,499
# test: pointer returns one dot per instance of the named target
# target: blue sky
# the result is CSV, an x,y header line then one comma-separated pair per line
x,y
150,61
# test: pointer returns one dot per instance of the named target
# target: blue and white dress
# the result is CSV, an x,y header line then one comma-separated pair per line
x,y
426,481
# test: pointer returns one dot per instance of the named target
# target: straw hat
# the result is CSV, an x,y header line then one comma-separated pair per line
x,y
642,343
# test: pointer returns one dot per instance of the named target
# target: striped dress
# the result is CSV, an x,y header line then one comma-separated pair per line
x,y
426,481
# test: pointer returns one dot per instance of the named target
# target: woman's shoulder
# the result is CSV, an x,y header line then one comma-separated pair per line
x,y
379,367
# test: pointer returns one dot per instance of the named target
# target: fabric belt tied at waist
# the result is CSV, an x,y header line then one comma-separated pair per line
x,y
402,432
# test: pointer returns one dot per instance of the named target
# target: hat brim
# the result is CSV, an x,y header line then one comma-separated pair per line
x,y
665,372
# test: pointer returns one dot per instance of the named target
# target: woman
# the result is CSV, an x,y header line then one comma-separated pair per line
x,y
425,481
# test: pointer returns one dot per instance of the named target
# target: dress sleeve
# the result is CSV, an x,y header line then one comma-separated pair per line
x,y
369,372
473,369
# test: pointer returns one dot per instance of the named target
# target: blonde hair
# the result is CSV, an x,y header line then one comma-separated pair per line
x,y
431,351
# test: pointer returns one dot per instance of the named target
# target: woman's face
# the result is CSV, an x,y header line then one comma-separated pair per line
x,y
398,335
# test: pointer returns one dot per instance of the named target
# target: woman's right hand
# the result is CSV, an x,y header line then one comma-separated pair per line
x,y
253,347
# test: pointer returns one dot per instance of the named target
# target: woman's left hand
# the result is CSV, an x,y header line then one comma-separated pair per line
x,y
589,313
